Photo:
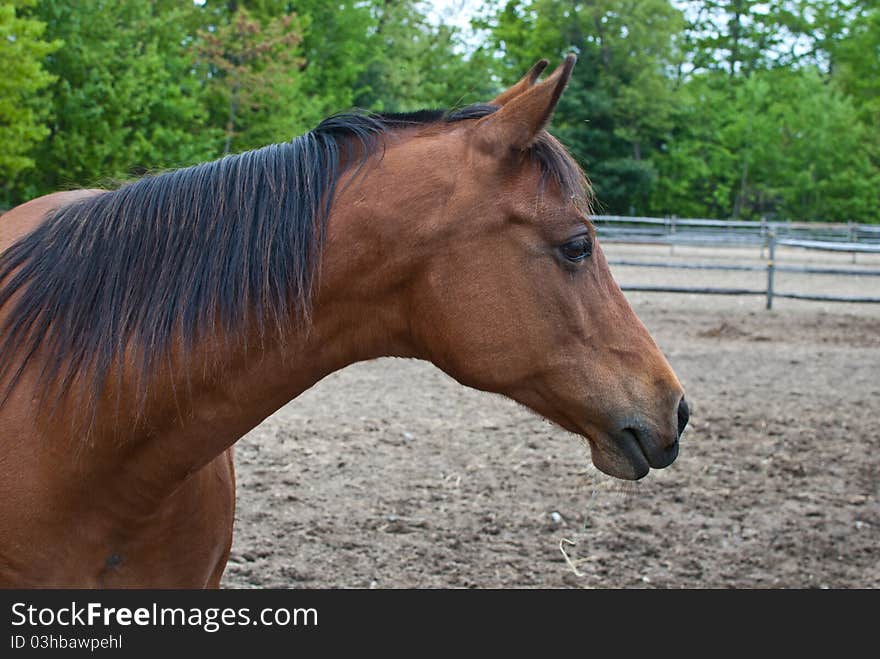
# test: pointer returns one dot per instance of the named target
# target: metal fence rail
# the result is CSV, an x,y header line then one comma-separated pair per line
x,y
830,246
674,230
749,268
849,238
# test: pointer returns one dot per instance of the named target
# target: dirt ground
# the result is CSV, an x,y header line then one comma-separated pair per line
x,y
389,474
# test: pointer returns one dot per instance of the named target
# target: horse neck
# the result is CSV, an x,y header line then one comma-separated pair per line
x,y
358,313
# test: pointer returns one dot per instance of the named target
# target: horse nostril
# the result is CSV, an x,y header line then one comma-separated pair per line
x,y
683,415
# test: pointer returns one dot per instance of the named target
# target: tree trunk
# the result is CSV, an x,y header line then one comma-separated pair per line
x,y
735,28
230,121
740,197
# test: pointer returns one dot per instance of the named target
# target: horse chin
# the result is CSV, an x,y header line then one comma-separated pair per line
x,y
623,459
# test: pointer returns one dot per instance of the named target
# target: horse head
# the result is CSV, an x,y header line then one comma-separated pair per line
x,y
504,283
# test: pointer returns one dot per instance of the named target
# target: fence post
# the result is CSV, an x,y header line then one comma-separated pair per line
x,y
672,235
771,266
851,235
763,235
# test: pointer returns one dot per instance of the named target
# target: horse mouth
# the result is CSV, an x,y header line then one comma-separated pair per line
x,y
629,455
634,452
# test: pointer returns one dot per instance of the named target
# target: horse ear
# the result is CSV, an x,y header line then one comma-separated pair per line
x,y
516,124
524,83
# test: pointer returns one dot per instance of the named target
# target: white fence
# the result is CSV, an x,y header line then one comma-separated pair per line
x,y
850,238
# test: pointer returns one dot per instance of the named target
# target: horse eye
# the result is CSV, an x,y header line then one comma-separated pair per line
x,y
578,249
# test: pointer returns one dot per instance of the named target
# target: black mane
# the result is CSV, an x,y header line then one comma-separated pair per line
x,y
234,242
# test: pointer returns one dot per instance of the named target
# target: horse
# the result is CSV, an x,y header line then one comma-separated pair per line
x,y
144,330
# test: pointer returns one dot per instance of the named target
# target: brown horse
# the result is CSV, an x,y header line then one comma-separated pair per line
x,y
143,331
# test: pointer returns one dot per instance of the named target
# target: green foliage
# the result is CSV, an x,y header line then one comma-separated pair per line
x,y
252,71
854,60
781,143
412,64
619,104
688,107
739,37
713,108
777,117
22,104
125,97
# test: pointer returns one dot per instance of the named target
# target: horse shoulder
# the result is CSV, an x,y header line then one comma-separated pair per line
x,y
25,217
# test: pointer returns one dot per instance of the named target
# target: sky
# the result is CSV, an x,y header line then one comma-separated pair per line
x,y
458,13
453,12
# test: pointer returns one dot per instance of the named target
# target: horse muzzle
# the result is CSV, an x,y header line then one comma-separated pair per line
x,y
637,447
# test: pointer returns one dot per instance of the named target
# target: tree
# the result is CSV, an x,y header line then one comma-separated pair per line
x,y
780,143
336,49
22,103
252,72
126,97
853,53
687,107
414,64
381,55
619,103
739,37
